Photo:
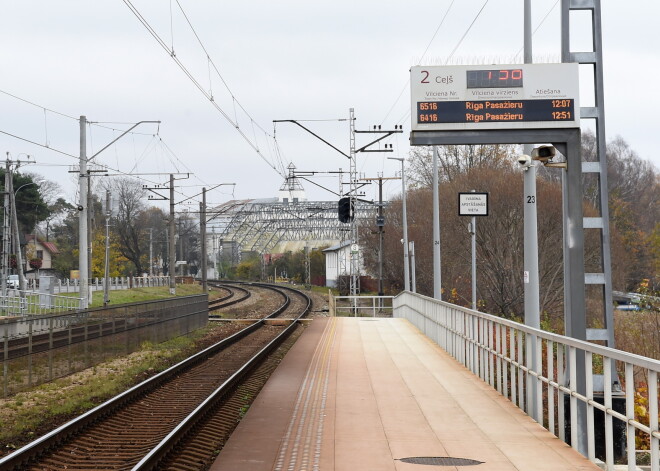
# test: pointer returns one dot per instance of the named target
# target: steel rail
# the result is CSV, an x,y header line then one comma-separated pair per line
x,y
22,456
220,304
160,452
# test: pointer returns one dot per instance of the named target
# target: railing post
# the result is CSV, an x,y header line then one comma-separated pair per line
x,y
572,367
653,419
551,391
561,380
591,444
630,415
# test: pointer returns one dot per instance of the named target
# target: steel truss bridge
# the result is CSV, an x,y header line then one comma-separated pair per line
x,y
259,225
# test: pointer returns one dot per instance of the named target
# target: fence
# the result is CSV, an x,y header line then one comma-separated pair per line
x,y
360,306
24,303
96,284
551,377
38,349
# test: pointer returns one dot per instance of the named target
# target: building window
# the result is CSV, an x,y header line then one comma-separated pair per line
x,y
40,254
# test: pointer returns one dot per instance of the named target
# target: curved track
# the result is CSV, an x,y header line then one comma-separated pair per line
x,y
139,428
236,295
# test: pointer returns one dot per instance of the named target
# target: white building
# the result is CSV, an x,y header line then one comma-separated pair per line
x,y
338,263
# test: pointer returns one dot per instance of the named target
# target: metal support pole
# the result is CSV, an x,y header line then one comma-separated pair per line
x,y
531,281
574,289
412,265
106,275
82,216
151,252
308,274
17,239
473,233
406,259
202,228
531,252
355,254
5,230
171,254
380,223
90,239
437,275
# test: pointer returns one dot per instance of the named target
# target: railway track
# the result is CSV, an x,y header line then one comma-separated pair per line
x,y
237,294
190,408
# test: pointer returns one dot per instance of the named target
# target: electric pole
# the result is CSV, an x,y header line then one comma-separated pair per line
x,y
106,276
82,216
380,223
202,227
5,230
171,252
84,205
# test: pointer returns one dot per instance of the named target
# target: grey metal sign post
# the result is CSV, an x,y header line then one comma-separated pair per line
x,y
473,204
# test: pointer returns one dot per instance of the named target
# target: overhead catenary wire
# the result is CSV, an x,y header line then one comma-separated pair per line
x,y
405,87
100,124
545,17
38,106
460,41
199,86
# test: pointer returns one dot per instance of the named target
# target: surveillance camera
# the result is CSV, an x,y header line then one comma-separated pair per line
x,y
544,153
524,160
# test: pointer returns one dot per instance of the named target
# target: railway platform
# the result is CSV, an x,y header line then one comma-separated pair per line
x,y
376,394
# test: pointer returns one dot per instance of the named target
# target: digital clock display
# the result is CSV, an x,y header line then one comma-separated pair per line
x,y
496,78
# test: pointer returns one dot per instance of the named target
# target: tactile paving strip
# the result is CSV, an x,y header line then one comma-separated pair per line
x,y
301,446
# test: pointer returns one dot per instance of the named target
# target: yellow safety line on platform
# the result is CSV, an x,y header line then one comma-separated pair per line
x,y
309,411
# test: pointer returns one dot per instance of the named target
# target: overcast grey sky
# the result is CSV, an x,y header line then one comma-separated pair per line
x,y
280,60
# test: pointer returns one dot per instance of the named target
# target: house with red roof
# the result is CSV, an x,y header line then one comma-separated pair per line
x,y
39,255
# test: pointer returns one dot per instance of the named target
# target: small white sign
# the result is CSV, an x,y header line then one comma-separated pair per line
x,y
473,204
354,248
180,262
526,277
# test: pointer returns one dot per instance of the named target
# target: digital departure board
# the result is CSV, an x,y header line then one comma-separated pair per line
x,y
495,111
487,97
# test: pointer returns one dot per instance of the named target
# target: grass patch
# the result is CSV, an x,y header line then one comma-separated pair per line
x,y
135,295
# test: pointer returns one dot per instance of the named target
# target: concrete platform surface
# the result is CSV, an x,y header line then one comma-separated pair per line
x,y
370,394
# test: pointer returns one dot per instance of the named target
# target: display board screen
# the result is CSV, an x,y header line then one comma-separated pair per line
x,y
486,97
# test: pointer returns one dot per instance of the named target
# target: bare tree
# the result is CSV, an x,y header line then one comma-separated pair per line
x,y
455,160
130,226
499,242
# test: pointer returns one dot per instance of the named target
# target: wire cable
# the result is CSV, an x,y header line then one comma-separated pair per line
x,y
37,144
405,87
38,106
538,26
467,31
195,82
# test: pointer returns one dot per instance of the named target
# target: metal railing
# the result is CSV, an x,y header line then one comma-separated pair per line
x,y
23,303
38,349
540,373
360,306
96,284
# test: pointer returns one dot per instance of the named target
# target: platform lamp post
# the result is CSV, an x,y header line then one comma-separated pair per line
x,y
406,265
